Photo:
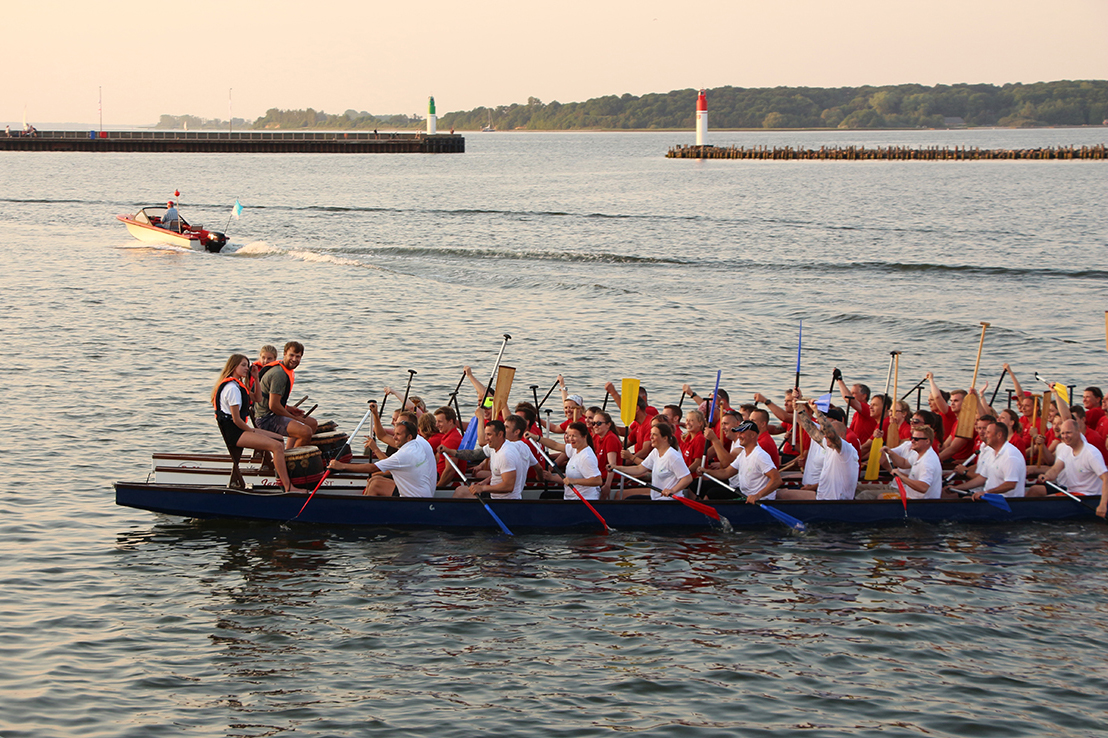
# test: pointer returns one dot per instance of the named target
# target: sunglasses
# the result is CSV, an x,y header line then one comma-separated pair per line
x,y
919,438
916,421
597,422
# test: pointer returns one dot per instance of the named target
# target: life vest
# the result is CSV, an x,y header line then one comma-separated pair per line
x,y
292,380
244,399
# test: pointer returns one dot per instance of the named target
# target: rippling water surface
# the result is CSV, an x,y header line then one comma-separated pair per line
x,y
603,260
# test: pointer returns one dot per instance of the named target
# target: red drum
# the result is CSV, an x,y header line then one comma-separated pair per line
x,y
330,445
305,465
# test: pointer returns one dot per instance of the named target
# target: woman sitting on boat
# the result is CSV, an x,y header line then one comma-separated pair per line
x,y
693,441
668,471
582,470
230,398
606,446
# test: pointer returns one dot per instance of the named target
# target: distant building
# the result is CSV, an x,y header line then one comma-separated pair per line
x,y
954,122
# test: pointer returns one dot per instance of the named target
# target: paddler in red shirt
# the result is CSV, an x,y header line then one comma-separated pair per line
x,y
953,448
857,398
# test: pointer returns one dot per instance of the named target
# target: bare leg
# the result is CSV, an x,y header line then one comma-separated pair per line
x,y
299,434
796,494
463,491
1038,490
250,439
379,486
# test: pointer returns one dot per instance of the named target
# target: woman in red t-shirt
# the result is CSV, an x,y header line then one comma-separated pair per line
x,y
607,446
692,440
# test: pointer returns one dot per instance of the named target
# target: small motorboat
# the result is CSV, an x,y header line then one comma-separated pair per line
x,y
146,225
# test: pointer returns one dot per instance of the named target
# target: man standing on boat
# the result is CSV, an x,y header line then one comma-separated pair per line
x,y
273,412
412,466
1078,467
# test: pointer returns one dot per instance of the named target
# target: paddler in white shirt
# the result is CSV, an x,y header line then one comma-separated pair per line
x,y
412,466
752,471
505,464
1078,467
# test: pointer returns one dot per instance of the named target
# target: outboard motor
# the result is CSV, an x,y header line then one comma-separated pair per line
x,y
214,241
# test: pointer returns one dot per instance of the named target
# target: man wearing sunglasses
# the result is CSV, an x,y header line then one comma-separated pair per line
x,y
916,464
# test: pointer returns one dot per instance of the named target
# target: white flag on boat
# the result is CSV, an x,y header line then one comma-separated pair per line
x,y
237,210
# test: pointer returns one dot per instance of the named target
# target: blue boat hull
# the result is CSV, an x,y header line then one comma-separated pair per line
x,y
444,512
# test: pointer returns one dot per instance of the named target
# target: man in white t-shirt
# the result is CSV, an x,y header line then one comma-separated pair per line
x,y
508,472
838,478
1078,467
1005,471
751,471
917,466
412,466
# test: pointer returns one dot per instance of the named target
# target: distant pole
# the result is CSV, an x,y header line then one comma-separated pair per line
x,y
701,119
100,91
432,119
230,112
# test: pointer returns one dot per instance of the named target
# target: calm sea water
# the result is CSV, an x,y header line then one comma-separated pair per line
x,y
602,260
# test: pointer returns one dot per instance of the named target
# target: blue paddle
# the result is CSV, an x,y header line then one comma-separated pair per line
x,y
992,498
462,476
789,520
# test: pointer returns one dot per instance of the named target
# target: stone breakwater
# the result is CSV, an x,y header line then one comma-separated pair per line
x,y
1098,152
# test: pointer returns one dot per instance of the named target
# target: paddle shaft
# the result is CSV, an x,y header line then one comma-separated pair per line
x,y
547,395
496,368
700,507
977,364
873,466
462,476
711,419
404,402
341,453
997,388
574,489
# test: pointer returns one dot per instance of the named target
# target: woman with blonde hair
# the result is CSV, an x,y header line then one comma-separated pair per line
x,y
231,399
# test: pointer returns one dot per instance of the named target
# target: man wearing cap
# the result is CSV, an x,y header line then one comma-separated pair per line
x,y
838,477
751,471
171,221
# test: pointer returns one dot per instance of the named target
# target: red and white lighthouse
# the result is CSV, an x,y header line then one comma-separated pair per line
x,y
701,118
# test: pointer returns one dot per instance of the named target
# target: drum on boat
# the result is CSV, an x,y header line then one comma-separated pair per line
x,y
330,445
327,426
305,465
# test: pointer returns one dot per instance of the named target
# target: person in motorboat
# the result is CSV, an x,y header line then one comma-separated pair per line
x,y
231,398
171,221
412,467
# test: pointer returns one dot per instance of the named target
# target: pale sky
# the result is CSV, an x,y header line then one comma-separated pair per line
x,y
387,57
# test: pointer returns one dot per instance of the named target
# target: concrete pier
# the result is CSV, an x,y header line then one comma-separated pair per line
x,y
890,153
271,142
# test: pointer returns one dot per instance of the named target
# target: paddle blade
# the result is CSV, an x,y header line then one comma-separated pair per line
x,y
892,434
629,401
823,402
469,440
789,520
967,417
903,495
874,464
997,501
1063,392
504,377
700,507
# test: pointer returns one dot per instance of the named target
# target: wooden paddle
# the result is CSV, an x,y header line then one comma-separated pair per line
x,y
1034,428
967,417
504,377
873,466
892,435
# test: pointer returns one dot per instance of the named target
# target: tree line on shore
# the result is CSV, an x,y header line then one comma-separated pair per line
x,y
1060,103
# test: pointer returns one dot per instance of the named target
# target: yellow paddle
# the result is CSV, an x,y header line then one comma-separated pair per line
x,y
628,408
874,464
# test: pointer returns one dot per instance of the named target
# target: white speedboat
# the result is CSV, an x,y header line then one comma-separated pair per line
x,y
145,225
